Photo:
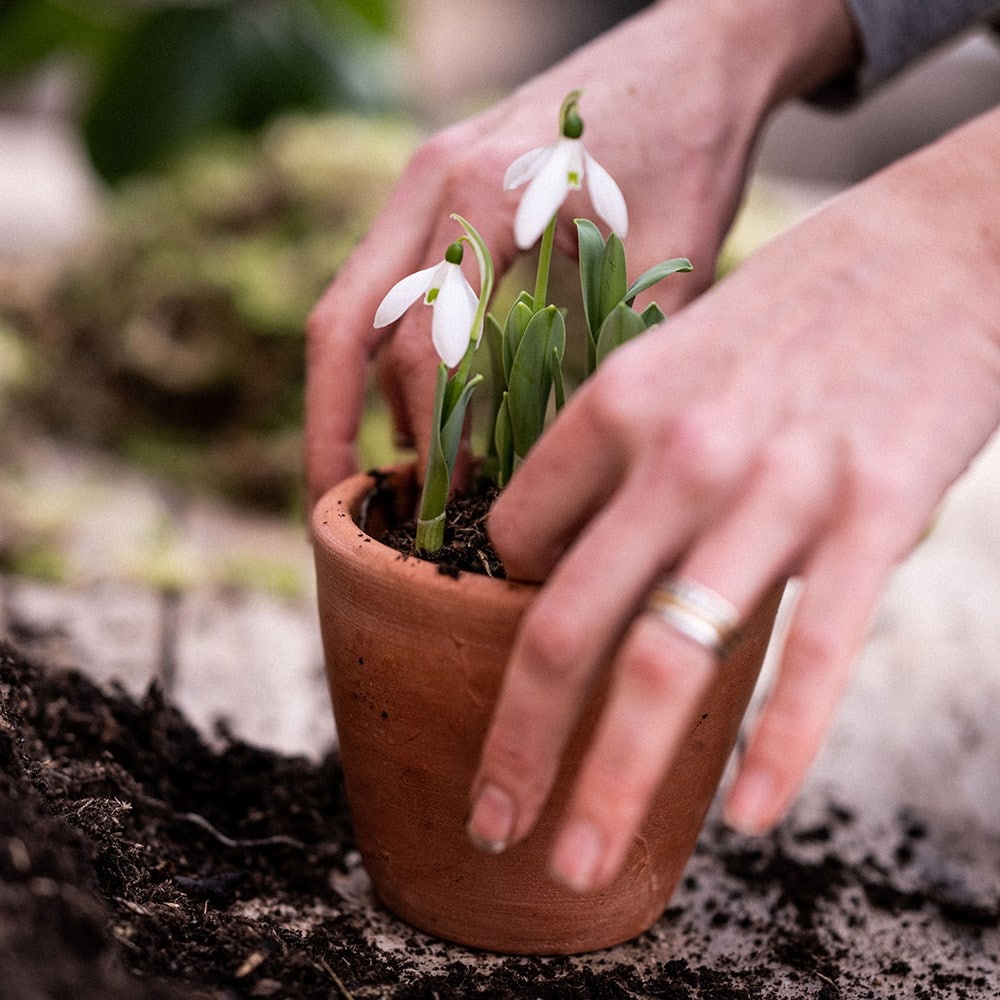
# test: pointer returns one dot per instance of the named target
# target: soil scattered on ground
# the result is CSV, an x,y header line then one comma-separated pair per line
x,y
138,862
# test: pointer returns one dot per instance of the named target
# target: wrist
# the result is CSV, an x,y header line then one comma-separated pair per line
x,y
788,48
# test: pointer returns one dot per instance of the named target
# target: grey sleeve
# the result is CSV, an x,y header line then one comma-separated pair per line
x,y
895,32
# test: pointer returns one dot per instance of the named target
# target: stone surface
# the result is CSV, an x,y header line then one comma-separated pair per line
x,y
254,663
111,631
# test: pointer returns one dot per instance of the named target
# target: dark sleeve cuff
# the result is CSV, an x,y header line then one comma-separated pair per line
x,y
893,33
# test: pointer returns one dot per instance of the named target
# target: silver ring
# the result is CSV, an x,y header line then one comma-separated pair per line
x,y
695,611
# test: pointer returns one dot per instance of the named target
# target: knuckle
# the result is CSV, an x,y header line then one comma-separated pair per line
x,y
786,727
552,651
435,155
814,649
702,451
607,401
795,481
622,788
661,677
514,763
874,486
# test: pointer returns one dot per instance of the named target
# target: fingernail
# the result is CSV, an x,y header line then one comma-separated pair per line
x,y
751,803
577,856
491,820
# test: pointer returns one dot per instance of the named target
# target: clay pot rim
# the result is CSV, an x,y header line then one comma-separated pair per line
x,y
335,529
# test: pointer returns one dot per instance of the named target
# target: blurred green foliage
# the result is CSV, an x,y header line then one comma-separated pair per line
x,y
176,334
161,73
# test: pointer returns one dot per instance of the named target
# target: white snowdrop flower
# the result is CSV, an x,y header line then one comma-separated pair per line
x,y
444,287
552,172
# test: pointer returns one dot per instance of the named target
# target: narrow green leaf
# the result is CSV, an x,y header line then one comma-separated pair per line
x,y
613,277
503,439
457,383
557,380
451,431
621,325
531,376
591,248
657,273
652,315
517,322
437,477
494,346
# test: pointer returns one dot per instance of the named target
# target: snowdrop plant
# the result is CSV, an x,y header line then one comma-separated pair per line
x,y
456,329
528,348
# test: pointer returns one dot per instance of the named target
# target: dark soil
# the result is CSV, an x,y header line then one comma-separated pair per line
x,y
467,545
136,862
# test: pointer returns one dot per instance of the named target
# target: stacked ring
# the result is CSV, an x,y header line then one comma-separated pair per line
x,y
695,611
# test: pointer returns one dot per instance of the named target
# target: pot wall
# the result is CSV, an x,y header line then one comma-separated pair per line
x,y
414,662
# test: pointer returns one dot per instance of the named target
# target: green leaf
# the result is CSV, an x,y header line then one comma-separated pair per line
x,y
652,315
613,277
494,346
527,298
531,376
517,322
437,478
503,440
446,434
451,432
591,248
621,325
170,78
557,380
657,273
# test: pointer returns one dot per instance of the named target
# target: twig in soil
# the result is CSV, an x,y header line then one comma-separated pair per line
x,y
278,838
485,561
344,991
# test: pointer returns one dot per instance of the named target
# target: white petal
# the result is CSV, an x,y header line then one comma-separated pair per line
x,y
609,202
402,295
454,310
543,196
574,167
525,167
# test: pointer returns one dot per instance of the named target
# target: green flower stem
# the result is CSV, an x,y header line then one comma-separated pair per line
x,y
544,264
430,534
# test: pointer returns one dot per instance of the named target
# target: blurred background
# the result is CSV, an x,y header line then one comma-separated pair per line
x,y
180,180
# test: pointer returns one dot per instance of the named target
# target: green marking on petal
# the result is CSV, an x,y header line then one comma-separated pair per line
x,y
431,296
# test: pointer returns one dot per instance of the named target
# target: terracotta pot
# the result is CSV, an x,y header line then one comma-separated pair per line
x,y
414,661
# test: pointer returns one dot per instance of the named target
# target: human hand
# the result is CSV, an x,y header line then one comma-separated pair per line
x,y
679,93
805,416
